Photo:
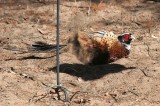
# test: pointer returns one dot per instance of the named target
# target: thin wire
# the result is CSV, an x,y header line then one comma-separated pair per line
x,y
57,43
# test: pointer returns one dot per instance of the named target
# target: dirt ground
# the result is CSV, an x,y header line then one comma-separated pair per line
x,y
26,78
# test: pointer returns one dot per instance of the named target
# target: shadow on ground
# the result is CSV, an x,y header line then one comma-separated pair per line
x,y
87,72
29,58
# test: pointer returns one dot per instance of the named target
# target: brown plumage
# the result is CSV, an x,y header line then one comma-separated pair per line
x,y
95,48
100,47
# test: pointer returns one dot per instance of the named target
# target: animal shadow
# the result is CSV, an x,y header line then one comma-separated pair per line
x,y
87,72
29,58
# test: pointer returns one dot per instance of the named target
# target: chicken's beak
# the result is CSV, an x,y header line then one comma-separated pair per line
x,y
132,37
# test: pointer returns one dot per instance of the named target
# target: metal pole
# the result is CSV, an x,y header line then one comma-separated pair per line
x,y
57,43
59,87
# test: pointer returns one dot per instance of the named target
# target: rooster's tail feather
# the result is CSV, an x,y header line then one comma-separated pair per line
x,y
37,47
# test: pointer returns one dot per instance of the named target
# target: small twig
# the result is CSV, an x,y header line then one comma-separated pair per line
x,y
145,72
43,96
114,97
74,95
133,93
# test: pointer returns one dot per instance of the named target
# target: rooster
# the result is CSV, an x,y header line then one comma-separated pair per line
x,y
96,48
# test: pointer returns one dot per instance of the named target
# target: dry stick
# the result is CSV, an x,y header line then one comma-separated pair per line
x,y
74,95
133,93
145,72
43,96
113,97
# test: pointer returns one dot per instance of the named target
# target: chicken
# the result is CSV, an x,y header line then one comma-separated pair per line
x,y
96,48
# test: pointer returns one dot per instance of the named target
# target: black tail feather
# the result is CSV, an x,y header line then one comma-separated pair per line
x,y
41,46
37,47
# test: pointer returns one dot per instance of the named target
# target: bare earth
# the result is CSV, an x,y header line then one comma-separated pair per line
x,y
25,78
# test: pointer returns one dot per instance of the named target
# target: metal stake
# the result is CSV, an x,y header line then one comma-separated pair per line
x,y
59,87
